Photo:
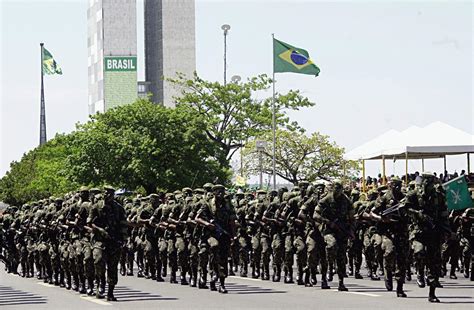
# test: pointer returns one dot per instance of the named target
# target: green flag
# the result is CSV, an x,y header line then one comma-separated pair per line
x,y
457,194
49,64
287,58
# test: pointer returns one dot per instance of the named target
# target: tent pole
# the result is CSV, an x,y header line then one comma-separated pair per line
x,y
422,164
363,175
444,160
384,178
468,163
406,168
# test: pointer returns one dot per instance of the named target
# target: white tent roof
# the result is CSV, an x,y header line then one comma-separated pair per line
x,y
433,141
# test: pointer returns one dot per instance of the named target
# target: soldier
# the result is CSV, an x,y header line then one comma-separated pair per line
x,y
272,217
372,240
218,217
334,213
430,215
109,227
314,240
394,236
467,242
355,246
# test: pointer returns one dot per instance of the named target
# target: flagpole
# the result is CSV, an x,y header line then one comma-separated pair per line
x,y
273,117
42,108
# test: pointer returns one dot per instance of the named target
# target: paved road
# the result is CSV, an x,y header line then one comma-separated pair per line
x,y
244,293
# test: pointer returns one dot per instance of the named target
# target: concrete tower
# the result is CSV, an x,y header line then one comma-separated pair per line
x,y
169,45
112,53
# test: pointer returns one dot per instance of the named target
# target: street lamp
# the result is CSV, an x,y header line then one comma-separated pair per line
x,y
226,29
235,79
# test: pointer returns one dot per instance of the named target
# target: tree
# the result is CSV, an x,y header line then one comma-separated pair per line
x,y
40,173
145,145
232,112
299,156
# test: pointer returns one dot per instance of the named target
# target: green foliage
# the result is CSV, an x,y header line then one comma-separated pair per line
x,y
40,173
141,146
299,156
233,113
145,145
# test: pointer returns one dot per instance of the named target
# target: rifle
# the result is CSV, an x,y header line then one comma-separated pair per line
x,y
219,230
342,229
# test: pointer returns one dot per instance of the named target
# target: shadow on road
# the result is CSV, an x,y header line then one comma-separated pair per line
x,y
234,288
10,297
126,294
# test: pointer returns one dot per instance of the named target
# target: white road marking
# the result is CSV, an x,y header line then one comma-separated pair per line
x,y
364,294
97,301
249,279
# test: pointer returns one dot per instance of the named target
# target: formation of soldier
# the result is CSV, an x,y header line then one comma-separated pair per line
x,y
200,236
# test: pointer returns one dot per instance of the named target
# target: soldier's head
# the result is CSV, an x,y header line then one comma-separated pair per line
x,y
208,187
281,191
240,194
84,193
199,192
372,195
109,192
187,192
355,195
396,184
337,188
154,200
219,191
58,202
427,181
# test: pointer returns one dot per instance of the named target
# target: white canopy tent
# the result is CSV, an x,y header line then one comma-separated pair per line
x,y
433,141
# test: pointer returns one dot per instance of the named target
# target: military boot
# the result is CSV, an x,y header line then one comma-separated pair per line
x,y
324,283
222,288
203,281
341,287
173,277
289,276
102,285
193,278
420,280
299,277
452,274
183,278
56,279
255,271
61,279
432,297
212,283
400,292
98,292
266,272
82,287
389,282
75,283
68,282
231,268
314,280
90,286
307,281
472,273
351,269
110,293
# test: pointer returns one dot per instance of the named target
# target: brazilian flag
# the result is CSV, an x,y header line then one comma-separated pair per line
x,y
287,58
49,64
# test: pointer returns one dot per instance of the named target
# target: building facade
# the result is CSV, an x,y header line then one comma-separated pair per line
x,y
112,50
112,53
170,46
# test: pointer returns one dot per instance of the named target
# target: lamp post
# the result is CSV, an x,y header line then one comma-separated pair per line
x,y
226,29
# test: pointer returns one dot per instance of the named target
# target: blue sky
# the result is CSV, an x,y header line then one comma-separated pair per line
x,y
384,64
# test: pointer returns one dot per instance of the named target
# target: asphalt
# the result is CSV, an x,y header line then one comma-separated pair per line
x,y
244,293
